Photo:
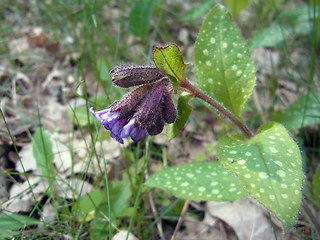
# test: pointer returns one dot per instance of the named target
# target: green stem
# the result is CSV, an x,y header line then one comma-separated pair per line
x,y
186,86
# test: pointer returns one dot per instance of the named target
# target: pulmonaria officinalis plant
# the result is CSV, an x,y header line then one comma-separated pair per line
x,y
265,166
142,111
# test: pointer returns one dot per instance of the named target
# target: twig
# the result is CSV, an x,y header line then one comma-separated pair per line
x,y
311,217
223,231
183,212
186,86
154,211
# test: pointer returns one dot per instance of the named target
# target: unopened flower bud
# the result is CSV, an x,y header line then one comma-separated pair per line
x,y
126,76
142,111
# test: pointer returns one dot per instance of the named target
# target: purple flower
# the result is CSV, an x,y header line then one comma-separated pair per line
x,y
142,111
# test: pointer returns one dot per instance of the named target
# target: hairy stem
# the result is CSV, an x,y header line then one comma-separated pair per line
x,y
186,86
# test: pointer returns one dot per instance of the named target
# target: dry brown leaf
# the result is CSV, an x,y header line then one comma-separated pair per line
x,y
28,162
48,213
73,188
21,197
196,229
122,235
247,220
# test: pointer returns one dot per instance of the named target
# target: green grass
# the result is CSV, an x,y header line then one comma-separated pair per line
x,y
98,32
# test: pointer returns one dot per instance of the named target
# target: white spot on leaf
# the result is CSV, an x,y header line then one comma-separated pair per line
x,y
273,150
263,175
215,191
190,175
281,173
185,184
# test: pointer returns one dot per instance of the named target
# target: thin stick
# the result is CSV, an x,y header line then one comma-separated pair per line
x,y
186,86
311,216
183,212
154,211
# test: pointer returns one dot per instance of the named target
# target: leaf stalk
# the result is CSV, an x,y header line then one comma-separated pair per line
x,y
188,87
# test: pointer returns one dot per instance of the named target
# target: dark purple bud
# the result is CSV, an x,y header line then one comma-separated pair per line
x,y
144,110
168,109
128,75
157,125
127,105
148,110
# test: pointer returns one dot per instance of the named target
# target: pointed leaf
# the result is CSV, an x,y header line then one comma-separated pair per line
x,y
184,110
303,112
269,165
42,151
15,221
169,60
224,69
197,11
140,17
236,6
85,207
270,36
199,181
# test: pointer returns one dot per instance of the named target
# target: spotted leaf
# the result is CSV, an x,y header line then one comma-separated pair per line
x,y
269,165
199,181
223,67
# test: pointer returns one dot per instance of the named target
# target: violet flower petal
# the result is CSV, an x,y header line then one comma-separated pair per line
x,y
135,132
110,121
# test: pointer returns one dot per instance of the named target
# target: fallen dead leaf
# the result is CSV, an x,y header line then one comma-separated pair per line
x,y
247,220
21,197
196,229
122,235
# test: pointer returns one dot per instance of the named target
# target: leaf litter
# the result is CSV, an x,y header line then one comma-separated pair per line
x,y
54,85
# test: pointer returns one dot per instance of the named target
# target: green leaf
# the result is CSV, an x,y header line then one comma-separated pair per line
x,y
316,184
169,60
236,6
103,69
120,195
86,206
42,151
270,36
303,112
184,110
298,14
140,17
9,223
269,165
198,181
79,115
197,11
224,69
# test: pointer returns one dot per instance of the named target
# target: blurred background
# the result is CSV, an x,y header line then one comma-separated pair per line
x,y
55,62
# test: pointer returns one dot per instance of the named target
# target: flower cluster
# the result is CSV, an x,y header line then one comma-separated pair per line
x,y
144,110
